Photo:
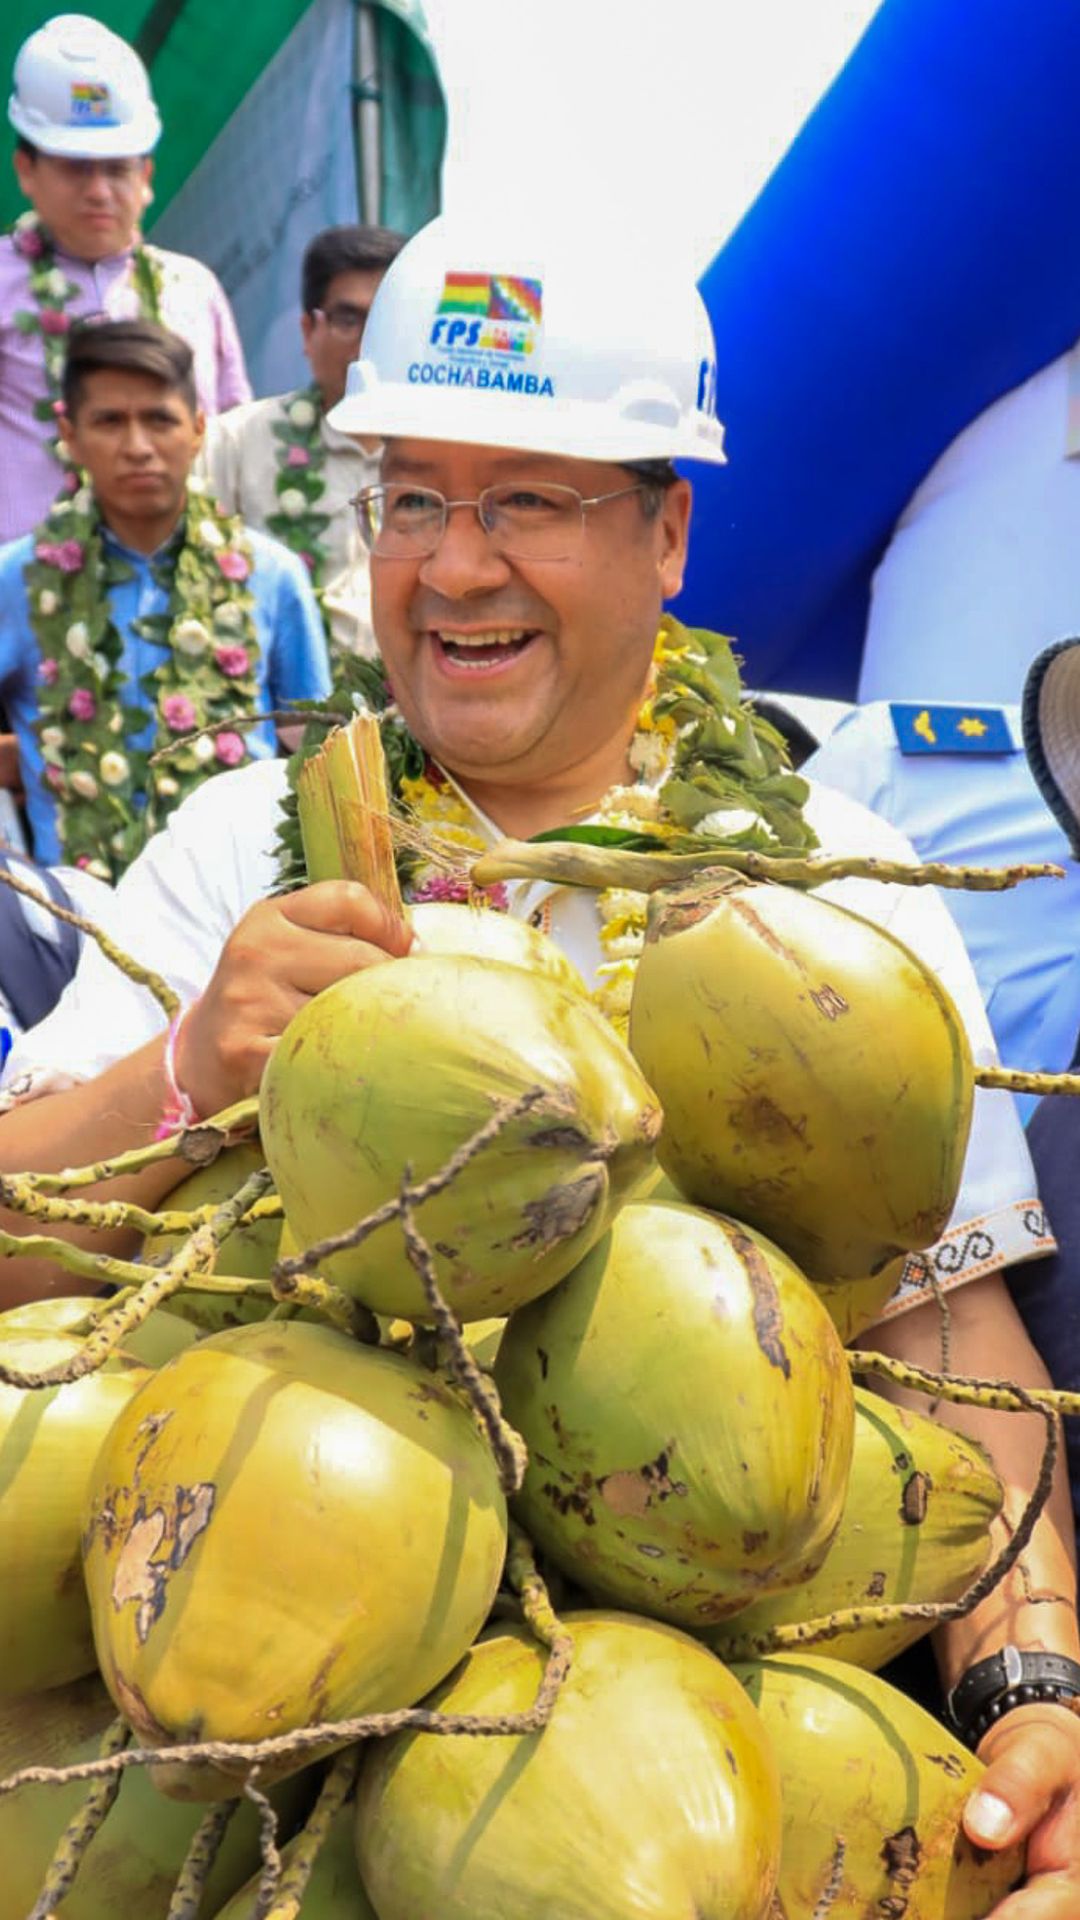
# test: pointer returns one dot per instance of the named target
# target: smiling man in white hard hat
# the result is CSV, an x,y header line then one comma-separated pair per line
x,y
86,126
526,529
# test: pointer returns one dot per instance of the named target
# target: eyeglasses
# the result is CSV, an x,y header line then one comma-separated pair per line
x,y
343,319
526,522
78,171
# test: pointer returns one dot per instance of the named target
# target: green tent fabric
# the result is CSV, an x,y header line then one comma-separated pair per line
x,y
204,58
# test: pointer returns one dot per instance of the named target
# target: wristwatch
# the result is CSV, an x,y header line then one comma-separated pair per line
x,y
1006,1680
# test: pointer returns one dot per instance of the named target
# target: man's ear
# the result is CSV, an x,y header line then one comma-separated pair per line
x,y
24,164
674,526
147,181
68,435
200,428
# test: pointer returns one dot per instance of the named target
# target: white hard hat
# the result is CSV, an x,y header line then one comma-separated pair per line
x,y
81,91
537,345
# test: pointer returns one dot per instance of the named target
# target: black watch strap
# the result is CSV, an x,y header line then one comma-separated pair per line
x,y
1006,1680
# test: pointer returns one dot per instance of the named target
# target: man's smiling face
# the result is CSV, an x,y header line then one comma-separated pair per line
x,y
518,670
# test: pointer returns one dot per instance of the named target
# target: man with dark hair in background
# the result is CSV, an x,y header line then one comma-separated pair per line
x,y
281,466
86,126
138,612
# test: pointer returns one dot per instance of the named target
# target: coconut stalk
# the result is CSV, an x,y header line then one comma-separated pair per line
x,y
288,1897
142,976
195,1873
80,1830
574,863
344,812
196,1145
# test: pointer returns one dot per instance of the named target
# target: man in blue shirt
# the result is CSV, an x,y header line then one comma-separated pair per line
x,y
187,595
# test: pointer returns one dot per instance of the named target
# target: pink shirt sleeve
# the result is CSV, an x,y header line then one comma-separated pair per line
x,y
233,385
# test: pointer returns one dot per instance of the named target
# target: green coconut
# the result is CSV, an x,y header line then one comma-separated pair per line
x,y
48,1442
920,1504
286,1527
444,926
396,1067
853,1305
687,1409
160,1336
333,1892
132,1864
248,1253
650,1795
862,1764
816,1080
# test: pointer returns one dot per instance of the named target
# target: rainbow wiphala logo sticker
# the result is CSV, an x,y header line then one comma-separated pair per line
x,y
488,313
91,104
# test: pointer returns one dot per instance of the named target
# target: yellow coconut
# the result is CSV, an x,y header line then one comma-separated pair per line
x,y
650,1794
286,1527
131,1866
442,926
815,1078
862,1765
920,1503
248,1253
687,1408
397,1067
48,1442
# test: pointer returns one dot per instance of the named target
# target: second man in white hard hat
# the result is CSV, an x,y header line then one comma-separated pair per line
x,y
86,126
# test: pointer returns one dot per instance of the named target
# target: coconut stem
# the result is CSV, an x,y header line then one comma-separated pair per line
x,y
199,1146
271,1857
349,1316
163,1282
305,1850
810,1633
1014,1080
190,1889
537,1610
999,1396
81,1828
574,863
279,716
830,1893
105,1215
504,1112
142,976
507,1446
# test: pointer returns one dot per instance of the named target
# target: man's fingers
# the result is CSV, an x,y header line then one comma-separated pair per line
x,y
325,958
1031,1760
344,907
1050,1896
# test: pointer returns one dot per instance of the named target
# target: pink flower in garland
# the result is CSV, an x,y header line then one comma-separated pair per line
x,y
178,713
51,320
28,242
48,672
298,457
230,749
309,561
54,777
70,482
82,705
68,555
233,661
235,566
445,886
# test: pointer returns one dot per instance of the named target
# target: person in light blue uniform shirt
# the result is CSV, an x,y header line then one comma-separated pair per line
x,y
138,431
956,781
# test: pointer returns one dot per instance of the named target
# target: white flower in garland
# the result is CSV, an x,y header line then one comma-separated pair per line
x,y
84,785
77,640
229,618
190,637
113,769
724,821
52,738
210,535
48,602
292,503
301,413
55,284
116,722
202,749
649,755
83,500
167,786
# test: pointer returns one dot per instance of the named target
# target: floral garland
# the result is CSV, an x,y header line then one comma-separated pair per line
x,y
51,291
299,484
711,773
109,796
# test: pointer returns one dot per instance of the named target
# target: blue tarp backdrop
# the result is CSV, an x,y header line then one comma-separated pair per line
x,y
913,257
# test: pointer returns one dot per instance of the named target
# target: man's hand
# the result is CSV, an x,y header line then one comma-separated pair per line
x,y
281,953
1031,1792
